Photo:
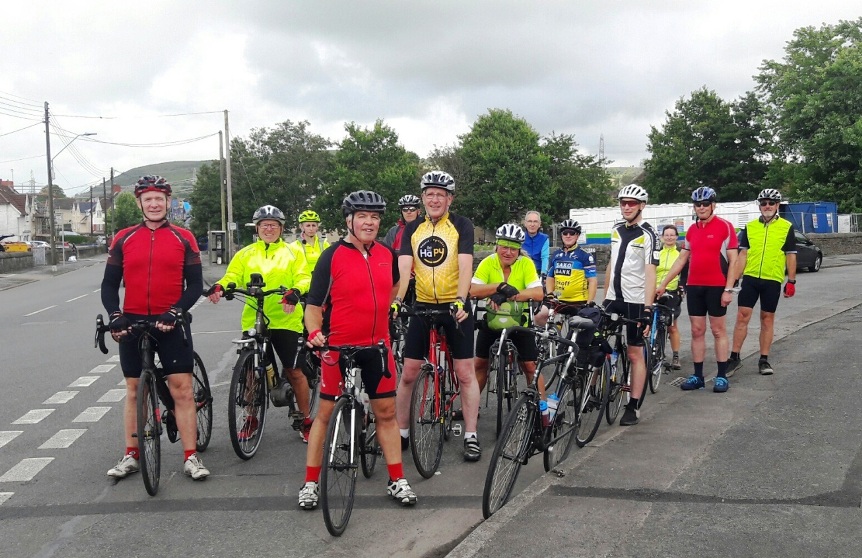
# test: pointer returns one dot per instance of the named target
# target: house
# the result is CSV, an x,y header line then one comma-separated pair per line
x,y
17,213
80,216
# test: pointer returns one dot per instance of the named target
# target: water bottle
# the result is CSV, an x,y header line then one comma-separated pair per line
x,y
614,357
553,402
270,375
546,416
363,398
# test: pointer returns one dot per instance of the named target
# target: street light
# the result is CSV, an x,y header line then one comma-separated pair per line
x,y
51,191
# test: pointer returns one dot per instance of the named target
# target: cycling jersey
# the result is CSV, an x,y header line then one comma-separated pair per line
x,y
161,268
522,274
354,291
312,251
394,235
708,244
666,258
767,245
571,270
538,248
281,265
435,248
633,248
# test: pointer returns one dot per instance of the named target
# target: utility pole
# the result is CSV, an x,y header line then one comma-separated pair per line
x,y
221,178
53,248
230,222
91,211
105,212
112,188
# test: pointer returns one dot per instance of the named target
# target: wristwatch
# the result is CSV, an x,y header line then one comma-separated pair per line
x,y
792,281
728,290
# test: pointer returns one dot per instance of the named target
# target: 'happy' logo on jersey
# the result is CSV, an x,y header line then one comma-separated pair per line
x,y
432,251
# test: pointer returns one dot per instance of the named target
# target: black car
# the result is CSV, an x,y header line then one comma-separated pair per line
x,y
808,255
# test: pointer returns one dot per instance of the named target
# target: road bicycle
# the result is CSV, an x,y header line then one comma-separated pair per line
x,y
255,381
351,438
503,372
617,366
656,343
434,393
526,433
155,406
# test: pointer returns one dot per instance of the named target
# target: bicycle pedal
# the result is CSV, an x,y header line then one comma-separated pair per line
x,y
558,472
456,429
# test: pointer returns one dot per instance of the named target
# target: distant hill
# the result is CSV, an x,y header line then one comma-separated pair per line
x,y
181,175
625,175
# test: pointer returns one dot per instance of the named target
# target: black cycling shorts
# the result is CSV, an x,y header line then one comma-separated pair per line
x,y
175,350
285,344
704,300
631,311
524,342
768,291
459,340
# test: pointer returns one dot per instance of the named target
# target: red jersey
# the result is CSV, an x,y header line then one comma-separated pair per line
x,y
153,264
708,244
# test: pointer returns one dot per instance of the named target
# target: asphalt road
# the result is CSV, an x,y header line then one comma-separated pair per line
x,y
657,487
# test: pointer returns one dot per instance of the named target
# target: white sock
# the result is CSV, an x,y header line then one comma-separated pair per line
x,y
405,432
469,435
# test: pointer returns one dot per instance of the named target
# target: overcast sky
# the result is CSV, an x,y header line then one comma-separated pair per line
x,y
428,69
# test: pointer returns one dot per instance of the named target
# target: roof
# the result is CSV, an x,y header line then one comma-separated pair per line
x,y
10,196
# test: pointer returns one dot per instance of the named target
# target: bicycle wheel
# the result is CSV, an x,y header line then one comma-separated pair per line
x,y
149,431
310,367
616,393
338,475
657,362
449,390
510,453
507,384
591,404
246,408
563,431
203,403
426,422
398,346
369,447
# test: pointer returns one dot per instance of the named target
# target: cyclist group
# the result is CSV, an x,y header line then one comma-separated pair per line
x,y
351,289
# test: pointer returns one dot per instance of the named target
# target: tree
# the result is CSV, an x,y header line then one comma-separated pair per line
x,y
125,213
206,199
707,141
814,102
369,159
58,192
506,171
576,180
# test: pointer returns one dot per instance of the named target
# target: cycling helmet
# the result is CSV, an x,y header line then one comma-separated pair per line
x,y
409,201
363,200
633,191
570,225
152,184
438,179
769,194
704,193
309,216
268,212
511,232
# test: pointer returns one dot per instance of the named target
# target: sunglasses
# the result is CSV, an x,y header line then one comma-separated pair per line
x,y
703,204
409,209
569,233
764,203
269,226
629,203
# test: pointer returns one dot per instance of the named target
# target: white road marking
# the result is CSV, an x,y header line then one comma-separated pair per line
x,y
34,416
112,396
63,438
42,310
220,384
5,496
76,298
60,397
26,469
122,382
91,414
84,381
115,358
8,435
102,368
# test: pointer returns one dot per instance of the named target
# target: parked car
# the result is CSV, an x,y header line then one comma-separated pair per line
x,y
808,255
39,244
15,246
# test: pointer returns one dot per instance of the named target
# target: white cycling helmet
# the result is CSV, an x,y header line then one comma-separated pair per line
x,y
633,191
511,232
438,179
268,212
769,194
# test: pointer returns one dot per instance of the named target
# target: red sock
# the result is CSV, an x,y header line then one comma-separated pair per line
x,y
189,453
395,471
312,474
133,452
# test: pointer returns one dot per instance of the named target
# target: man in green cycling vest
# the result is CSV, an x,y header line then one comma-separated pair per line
x,y
767,247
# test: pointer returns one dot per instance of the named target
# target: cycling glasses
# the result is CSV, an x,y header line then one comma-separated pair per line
x,y
702,203
409,209
568,233
764,203
629,203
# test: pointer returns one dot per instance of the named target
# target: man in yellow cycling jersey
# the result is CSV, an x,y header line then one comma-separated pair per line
x,y
439,250
504,276
308,242
666,258
767,247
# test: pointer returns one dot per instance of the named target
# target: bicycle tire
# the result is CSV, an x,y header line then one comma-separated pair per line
x,y
446,399
338,475
369,447
591,405
563,430
246,401
503,374
617,394
203,403
149,431
426,422
311,370
657,363
510,453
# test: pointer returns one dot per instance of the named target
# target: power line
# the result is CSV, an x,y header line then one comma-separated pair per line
x,y
24,158
100,117
32,102
159,144
3,112
20,129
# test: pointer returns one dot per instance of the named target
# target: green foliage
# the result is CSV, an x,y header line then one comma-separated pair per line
x,y
205,200
576,180
181,174
125,213
58,192
368,159
706,141
814,102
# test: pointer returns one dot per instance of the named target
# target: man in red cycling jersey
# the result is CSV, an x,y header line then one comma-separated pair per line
x,y
352,287
161,266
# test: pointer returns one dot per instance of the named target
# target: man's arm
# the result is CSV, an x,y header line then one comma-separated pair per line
x,y
110,290
649,288
405,265
607,278
313,318
193,274
592,287
546,252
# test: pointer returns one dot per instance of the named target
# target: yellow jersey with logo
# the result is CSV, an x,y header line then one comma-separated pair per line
x,y
434,248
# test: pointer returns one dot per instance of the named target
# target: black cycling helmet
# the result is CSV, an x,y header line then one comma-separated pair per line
x,y
409,200
152,184
438,179
570,225
363,200
268,212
